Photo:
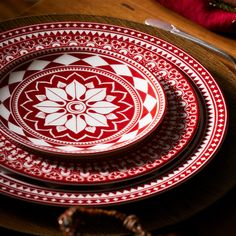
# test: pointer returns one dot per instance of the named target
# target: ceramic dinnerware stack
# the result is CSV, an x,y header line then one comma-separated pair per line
x,y
97,114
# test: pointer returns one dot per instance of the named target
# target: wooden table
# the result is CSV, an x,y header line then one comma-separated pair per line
x,y
31,218
134,10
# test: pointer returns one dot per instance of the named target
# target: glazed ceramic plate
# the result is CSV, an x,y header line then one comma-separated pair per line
x,y
173,135
215,121
92,98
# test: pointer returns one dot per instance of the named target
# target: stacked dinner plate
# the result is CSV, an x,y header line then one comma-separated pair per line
x,y
96,114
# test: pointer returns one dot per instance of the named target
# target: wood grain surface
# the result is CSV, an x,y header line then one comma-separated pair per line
x,y
165,209
13,8
134,10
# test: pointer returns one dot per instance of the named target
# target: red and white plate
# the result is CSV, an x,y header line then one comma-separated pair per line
x,y
212,103
89,99
132,63
172,137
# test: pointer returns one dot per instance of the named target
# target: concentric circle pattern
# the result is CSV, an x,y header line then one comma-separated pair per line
x,y
173,68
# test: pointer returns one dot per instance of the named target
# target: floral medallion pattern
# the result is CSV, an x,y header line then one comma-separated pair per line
x,y
72,110
74,107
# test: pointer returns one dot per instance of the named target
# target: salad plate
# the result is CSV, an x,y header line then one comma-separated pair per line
x,y
211,102
87,100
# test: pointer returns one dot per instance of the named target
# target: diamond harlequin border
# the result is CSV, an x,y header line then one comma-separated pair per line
x,y
123,141
183,107
145,104
210,142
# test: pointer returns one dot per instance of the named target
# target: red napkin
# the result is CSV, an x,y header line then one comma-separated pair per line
x,y
201,12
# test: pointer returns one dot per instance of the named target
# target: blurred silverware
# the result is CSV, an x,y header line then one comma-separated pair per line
x,y
172,29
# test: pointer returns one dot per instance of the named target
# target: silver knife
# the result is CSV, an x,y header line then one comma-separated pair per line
x,y
172,29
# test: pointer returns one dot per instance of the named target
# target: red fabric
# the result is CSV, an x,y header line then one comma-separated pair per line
x,y
200,12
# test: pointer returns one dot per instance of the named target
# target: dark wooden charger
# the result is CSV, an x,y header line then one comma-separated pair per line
x,y
168,208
